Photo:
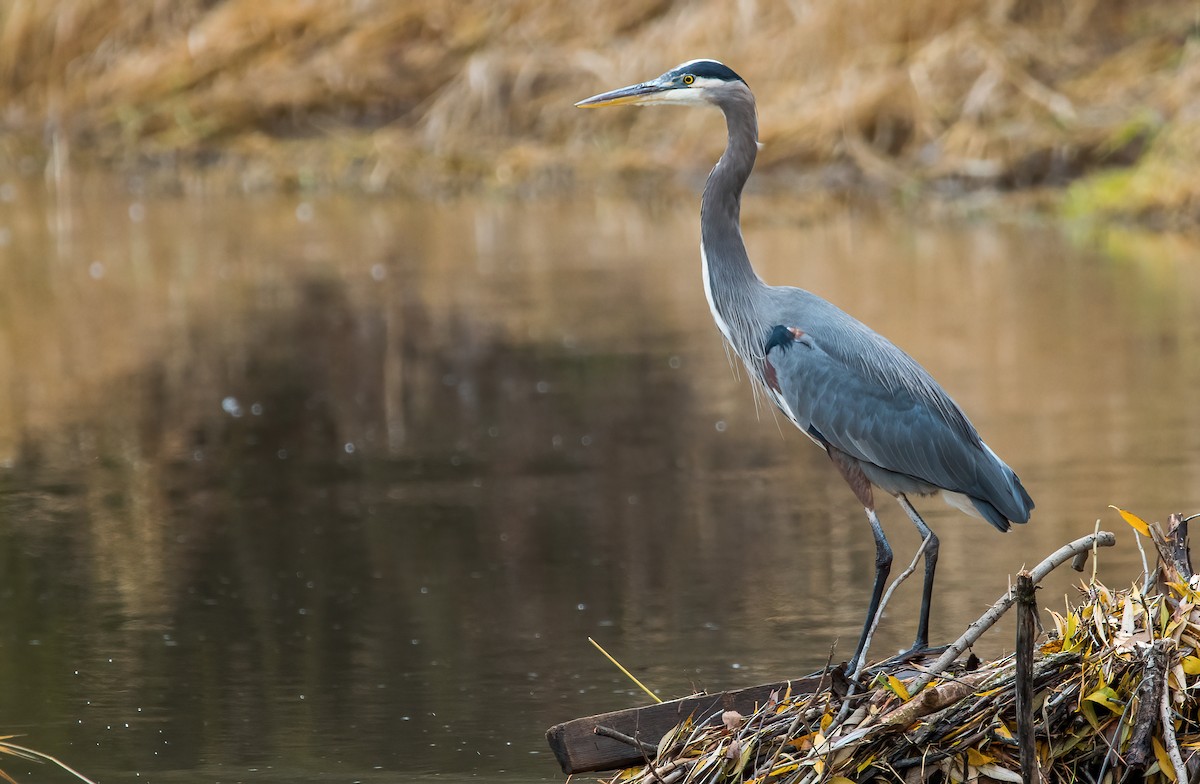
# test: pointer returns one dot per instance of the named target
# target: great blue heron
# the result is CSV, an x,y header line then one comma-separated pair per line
x,y
880,417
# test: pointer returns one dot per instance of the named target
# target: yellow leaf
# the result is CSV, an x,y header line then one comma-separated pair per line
x,y
1051,646
804,742
898,688
1164,759
1108,698
1072,627
1135,522
1089,712
976,758
840,780
1191,665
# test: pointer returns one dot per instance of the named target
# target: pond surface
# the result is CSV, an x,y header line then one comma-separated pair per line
x,y
336,489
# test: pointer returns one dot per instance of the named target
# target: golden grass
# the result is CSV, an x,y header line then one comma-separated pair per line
x,y
423,97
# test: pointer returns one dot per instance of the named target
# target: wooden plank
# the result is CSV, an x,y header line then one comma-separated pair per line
x,y
579,749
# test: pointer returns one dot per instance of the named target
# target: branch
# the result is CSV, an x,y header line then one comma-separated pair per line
x,y
1168,723
1149,704
617,735
1026,632
989,618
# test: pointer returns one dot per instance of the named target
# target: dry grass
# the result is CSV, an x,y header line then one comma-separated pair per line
x,y
425,98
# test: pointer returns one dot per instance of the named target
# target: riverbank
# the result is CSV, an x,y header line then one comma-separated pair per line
x,y
1087,105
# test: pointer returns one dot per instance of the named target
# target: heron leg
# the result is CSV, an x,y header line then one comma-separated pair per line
x,y
852,472
931,555
883,567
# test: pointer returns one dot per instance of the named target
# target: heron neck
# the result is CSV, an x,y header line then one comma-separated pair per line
x,y
731,283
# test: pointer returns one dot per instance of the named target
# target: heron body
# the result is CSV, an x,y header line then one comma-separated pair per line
x,y
882,419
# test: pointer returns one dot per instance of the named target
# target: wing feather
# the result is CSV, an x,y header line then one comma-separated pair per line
x,y
881,407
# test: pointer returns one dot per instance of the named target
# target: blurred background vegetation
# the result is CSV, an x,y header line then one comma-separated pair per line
x,y
1085,106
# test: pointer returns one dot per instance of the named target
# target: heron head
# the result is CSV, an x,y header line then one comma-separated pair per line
x,y
693,82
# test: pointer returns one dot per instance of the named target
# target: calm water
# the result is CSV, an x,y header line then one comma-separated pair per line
x,y
335,490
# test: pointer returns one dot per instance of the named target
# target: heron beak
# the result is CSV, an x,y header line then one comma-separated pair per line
x,y
646,92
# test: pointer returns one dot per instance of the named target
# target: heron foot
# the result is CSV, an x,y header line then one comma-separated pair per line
x,y
904,657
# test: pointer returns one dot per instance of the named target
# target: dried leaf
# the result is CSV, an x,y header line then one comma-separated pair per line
x,y
1088,709
1000,773
975,758
732,719
866,763
1135,522
668,740
804,742
1164,759
898,688
1107,698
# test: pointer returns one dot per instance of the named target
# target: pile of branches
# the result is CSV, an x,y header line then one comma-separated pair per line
x,y
1108,694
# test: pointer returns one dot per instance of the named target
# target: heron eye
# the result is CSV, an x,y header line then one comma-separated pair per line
x,y
688,78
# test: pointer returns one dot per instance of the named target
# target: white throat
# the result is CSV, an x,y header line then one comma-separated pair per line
x,y
712,302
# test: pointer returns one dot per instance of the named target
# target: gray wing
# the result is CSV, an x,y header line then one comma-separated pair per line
x,y
879,406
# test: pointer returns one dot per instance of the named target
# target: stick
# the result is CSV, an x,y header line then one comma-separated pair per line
x,y
1168,725
1026,631
1149,701
628,674
617,735
989,618
38,756
933,700
1177,529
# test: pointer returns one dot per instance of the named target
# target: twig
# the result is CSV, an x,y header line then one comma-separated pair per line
x,y
1148,575
795,725
39,756
989,618
628,674
1168,725
933,700
628,740
1026,631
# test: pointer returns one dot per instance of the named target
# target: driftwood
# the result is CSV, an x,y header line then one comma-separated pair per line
x,y
618,739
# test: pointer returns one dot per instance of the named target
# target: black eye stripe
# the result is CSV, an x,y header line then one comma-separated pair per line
x,y
713,70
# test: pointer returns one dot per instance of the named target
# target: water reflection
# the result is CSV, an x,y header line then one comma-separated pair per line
x,y
339,488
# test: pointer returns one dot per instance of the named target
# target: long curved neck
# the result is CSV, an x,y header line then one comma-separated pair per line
x,y
730,283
